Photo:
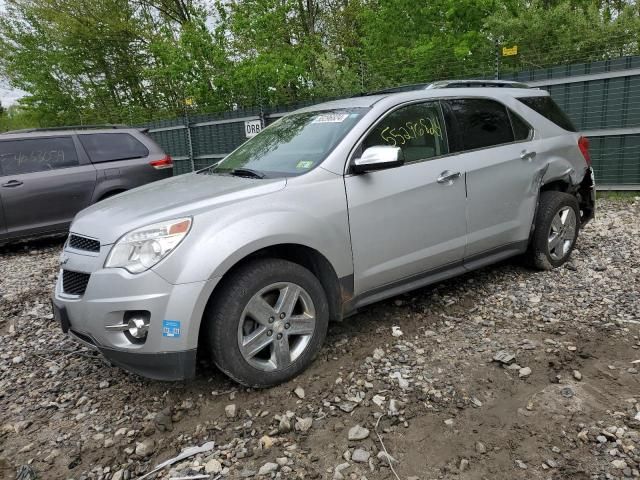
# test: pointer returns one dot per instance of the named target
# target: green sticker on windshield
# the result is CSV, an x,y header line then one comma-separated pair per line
x,y
304,164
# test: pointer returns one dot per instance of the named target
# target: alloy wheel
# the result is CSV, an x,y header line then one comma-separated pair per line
x,y
276,326
562,233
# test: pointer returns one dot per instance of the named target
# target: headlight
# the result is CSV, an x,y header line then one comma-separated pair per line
x,y
141,249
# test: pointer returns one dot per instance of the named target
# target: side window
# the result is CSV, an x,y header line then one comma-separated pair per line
x,y
481,122
106,147
521,129
37,155
417,129
546,107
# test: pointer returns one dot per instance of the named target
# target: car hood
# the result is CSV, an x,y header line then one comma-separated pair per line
x,y
185,195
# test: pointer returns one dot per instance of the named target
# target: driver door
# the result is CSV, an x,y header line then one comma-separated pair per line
x,y
407,222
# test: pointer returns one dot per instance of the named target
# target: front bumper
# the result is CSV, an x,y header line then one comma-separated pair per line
x,y
166,353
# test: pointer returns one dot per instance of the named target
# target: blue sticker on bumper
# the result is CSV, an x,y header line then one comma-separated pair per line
x,y
170,328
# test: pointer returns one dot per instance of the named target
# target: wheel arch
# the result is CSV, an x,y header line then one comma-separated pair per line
x,y
338,290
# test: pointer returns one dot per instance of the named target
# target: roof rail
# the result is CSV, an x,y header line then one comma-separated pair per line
x,y
69,127
469,83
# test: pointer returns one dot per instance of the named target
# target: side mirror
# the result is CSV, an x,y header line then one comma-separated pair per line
x,y
378,158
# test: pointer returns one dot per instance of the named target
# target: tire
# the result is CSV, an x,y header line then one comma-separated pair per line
x,y
246,309
555,232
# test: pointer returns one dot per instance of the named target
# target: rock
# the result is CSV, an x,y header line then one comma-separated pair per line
x,y
577,375
464,465
551,463
119,475
299,391
378,354
51,457
504,357
521,464
303,424
481,448
358,433
282,461
146,447
619,464
163,421
104,384
378,400
213,466
230,410
360,456
337,472
395,331
266,442
584,435
268,468
524,372
449,422
284,426
385,457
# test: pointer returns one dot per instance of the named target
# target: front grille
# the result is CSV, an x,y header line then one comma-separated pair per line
x,y
84,243
74,283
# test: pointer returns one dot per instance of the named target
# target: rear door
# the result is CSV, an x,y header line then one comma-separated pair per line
x,y
122,160
409,221
502,173
43,183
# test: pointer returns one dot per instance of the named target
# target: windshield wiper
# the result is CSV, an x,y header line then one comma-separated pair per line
x,y
247,172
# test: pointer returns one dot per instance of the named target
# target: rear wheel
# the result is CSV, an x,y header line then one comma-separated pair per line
x,y
556,230
267,322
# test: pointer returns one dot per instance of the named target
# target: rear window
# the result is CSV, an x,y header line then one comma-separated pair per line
x,y
36,155
107,147
546,107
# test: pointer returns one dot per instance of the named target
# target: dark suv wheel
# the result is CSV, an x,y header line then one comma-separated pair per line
x,y
556,230
267,322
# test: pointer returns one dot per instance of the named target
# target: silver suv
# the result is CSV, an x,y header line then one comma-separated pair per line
x,y
329,209
49,175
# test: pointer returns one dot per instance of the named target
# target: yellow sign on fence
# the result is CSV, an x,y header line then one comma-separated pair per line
x,y
509,51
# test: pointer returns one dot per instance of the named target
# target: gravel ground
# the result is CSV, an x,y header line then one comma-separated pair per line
x,y
413,376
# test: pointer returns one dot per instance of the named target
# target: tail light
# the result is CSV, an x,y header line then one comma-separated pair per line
x,y
583,145
166,162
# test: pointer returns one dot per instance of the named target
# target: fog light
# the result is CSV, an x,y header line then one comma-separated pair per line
x,y
138,328
135,325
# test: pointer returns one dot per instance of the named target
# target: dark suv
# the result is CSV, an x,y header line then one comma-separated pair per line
x,y
49,175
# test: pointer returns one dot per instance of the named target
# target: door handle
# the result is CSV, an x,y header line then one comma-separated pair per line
x,y
12,183
527,155
448,177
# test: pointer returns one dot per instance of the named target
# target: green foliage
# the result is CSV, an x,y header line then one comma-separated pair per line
x,y
92,61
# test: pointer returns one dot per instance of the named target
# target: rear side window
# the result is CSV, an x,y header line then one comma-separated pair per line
x,y
106,147
521,129
546,107
480,123
37,155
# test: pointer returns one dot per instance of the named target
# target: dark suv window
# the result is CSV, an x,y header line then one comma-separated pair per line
x,y
521,129
417,129
36,155
480,123
106,147
546,107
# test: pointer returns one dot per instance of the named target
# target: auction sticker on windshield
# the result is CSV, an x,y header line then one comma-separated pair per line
x,y
330,118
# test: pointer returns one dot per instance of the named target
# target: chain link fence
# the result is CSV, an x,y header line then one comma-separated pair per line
x,y
601,97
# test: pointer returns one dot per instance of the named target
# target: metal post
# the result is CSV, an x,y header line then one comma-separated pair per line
x,y
189,142
496,75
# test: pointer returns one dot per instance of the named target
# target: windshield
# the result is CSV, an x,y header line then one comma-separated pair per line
x,y
291,146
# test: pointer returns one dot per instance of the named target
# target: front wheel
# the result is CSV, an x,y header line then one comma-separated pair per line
x,y
556,230
267,322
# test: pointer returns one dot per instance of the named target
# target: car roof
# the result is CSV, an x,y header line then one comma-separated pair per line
x,y
368,101
62,131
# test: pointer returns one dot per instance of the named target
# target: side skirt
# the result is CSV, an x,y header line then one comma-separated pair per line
x,y
433,276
